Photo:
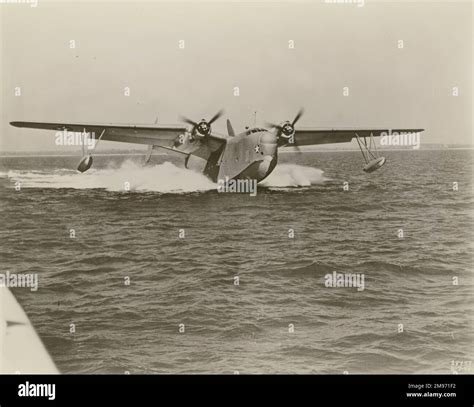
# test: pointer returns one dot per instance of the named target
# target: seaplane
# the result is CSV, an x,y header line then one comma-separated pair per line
x,y
251,154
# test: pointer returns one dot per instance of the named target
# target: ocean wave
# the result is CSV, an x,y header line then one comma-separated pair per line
x,y
130,176
293,175
318,268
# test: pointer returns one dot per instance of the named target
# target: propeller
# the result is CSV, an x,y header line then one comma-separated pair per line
x,y
203,128
286,130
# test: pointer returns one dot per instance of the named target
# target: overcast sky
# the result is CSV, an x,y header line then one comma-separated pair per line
x,y
237,44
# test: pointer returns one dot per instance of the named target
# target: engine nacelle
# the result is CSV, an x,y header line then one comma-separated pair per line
x,y
202,129
287,130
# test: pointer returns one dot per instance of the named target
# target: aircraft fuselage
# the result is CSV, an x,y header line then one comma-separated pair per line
x,y
248,155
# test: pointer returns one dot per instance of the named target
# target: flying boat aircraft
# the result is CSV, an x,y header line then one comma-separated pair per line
x,y
252,154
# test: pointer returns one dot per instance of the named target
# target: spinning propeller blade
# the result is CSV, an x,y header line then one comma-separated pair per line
x,y
216,116
186,120
203,128
297,117
286,130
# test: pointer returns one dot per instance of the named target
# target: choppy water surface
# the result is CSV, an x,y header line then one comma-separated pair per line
x,y
191,281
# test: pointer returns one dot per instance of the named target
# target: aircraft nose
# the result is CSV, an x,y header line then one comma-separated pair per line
x,y
268,138
268,142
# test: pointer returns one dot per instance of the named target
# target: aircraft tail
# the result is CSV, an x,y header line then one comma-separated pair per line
x,y
230,130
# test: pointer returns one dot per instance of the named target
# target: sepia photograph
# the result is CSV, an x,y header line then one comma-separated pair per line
x,y
236,188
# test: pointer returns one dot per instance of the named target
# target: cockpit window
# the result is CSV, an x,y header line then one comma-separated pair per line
x,y
256,130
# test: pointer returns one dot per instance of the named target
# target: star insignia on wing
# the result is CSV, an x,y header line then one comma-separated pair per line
x,y
257,149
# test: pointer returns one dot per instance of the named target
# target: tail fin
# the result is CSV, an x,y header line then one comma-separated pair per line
x,y
230,130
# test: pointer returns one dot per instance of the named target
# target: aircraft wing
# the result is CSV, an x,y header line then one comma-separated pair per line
x,y
306,137
162,136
